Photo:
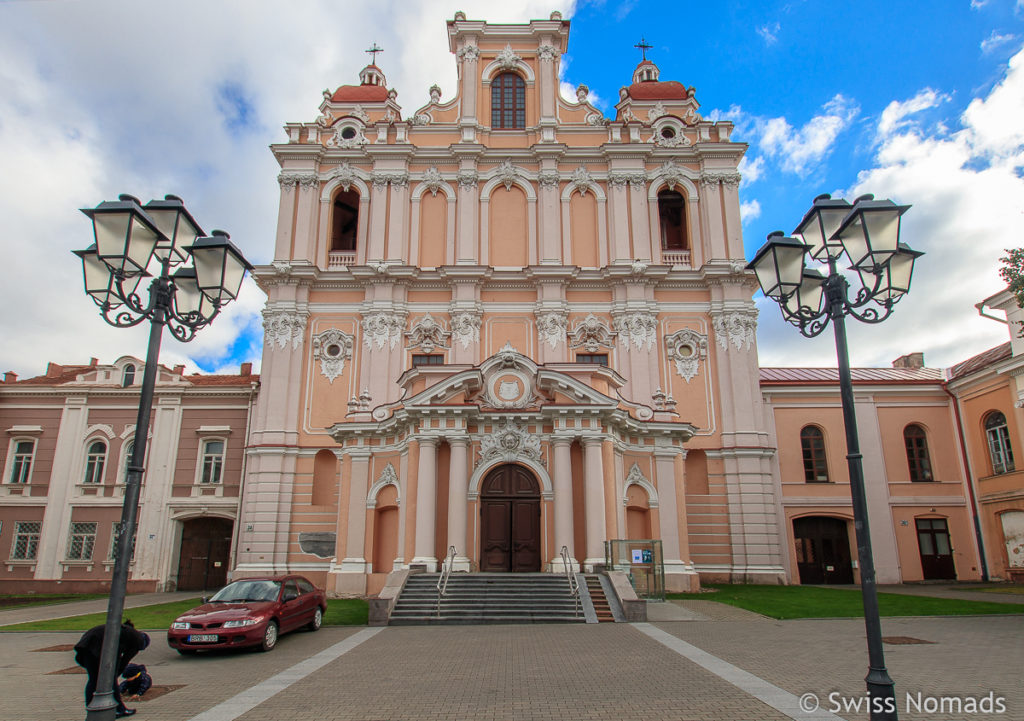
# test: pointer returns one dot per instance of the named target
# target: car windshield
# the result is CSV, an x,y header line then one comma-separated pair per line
x,y
247,591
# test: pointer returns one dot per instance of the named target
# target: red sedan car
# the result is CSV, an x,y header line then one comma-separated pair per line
x,y
249,612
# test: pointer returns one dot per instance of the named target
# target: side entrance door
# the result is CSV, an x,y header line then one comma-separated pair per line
x,y
936,550
510,521
822,550
203,561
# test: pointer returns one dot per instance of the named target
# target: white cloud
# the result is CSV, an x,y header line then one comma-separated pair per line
x,y
967,194
769,32
749,210
893,116
978,4
751,169
799,149
996,41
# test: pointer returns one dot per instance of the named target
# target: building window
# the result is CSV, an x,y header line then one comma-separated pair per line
x,y
95,460
999,449
812,443
212,462
508,102
111,554
126,460
345,221
600,359
427,359
81,542
21,462
26,540
672,215
917,453
128,376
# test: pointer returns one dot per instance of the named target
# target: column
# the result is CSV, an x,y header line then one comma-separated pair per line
x,y
672,512
355,526
458,489
562,482
593,483
426,504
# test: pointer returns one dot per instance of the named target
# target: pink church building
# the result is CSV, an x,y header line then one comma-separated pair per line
x,y
507,324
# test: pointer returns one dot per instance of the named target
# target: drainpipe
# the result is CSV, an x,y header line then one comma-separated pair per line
x,y
970,482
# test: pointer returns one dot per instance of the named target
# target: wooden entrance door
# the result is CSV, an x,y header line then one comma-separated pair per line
x,y
822,550
936,550
203,561
510,521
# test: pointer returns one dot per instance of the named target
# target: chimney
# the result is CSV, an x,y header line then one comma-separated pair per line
x,y
246,369
10,377
179,370
53,370
93,362
910,360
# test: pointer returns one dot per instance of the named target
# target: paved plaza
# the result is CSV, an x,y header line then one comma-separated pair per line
x,y
719,664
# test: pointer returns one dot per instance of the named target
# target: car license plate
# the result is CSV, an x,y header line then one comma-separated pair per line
x,y
202,638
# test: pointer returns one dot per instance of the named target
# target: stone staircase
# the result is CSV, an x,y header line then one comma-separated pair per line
x,y
602,608
478,598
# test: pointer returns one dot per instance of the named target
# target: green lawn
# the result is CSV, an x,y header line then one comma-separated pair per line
x,y
812,602
158,617
1012,590
24,600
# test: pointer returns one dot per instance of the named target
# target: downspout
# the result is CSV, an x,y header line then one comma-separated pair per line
x,y
970,482
237,534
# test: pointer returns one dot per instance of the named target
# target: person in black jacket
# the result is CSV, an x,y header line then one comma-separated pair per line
x,y
87,655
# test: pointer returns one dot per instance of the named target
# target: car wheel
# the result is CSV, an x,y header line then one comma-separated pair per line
x,y
269,636
318,619
187,651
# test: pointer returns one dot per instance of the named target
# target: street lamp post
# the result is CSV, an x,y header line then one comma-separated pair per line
x,y
867,233
128,238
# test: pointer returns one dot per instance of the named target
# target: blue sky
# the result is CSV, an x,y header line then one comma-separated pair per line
x,y
920,102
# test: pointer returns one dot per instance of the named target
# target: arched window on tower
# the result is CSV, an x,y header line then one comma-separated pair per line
x,y
344,221
128,376
508,102
916,442
672,215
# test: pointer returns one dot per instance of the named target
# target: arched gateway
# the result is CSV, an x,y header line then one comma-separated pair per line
x,y
510,520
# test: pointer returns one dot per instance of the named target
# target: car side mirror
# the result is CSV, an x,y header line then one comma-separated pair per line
x,y
204,599
290,596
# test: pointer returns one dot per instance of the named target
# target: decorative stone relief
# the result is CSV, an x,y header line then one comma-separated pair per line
x,y
675,140
468,178
507,173
731,179
687,348
510,442
381,179
345,175
466,328
507,58
325,119
420,119
551,326
548,178
582,93
432,180
672,174
387,477
358,112
435,94
638,267
380,327
427,334
637,477
633,179
592,334
339,140
656,112
332,348
288,180
692,117
469,53
637,327
547,52
582,181
282,326
597,119
737,327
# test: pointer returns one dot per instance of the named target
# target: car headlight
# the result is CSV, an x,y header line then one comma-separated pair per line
x,y
181,625
241,622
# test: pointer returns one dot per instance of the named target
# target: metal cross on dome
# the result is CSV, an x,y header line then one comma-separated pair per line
x,y
374,49
643,47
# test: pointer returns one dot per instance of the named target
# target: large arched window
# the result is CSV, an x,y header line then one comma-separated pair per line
x,y
344,221
998,436
917,453
672,216
508,102
95,460
812,444
128,376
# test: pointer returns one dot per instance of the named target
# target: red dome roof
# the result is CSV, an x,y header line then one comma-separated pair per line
x,y
360,94
656,90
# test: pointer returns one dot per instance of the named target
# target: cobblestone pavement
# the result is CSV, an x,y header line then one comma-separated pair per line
x,y
595,671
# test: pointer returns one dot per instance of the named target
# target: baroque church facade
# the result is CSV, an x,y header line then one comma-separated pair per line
x,y
506,324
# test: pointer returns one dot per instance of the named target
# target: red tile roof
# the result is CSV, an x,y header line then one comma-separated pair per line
x,y
976,363
360,94
828,376
201,380
657,90
67,374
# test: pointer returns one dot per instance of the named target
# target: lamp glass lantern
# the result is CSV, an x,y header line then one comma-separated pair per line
x,y
779,265
895,275
871,231
189,301
100,283
177,225
806,301
819,223
125,235
220,267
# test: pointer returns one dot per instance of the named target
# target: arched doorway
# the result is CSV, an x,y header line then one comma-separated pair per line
x,y
203,561
822,550
510,520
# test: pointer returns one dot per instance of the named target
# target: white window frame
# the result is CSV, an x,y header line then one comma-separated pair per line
x,y
203,455
16,462
19,532
1000,452
95,465
78,530
113,539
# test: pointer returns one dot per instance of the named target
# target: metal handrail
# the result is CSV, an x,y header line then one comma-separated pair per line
x,y
442,581
574,584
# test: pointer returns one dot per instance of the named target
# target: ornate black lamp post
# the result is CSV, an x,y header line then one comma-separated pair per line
x,y
867,233
128,237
